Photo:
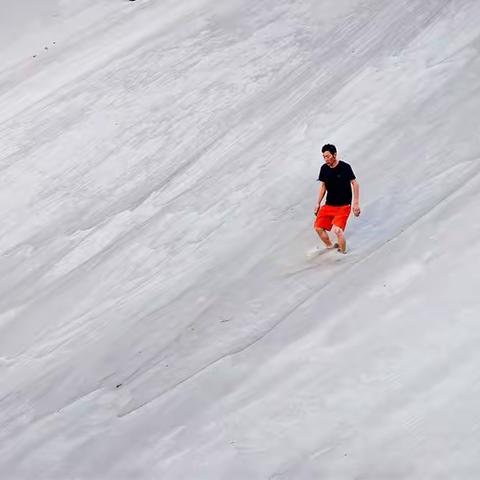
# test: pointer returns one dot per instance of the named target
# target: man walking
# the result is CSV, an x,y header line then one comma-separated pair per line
x,y
337,180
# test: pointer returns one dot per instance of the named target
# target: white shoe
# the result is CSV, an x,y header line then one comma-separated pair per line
x,y
316,250
319,249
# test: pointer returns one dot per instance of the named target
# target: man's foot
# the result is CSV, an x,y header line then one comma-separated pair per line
x,y
318,249
342,248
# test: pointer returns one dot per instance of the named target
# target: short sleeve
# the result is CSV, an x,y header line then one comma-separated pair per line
x,y
322,176
350,174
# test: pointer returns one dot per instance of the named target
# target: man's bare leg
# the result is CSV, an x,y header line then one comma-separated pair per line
x,y
342,244
324,237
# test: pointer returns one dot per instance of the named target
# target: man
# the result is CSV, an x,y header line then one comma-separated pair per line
x,y
337,180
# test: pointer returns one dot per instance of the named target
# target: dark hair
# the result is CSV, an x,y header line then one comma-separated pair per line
x,y
329,148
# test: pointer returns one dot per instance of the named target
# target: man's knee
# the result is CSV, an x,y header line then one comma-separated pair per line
x,y
337,231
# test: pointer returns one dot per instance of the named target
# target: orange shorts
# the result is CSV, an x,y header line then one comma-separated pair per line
x,y
328,215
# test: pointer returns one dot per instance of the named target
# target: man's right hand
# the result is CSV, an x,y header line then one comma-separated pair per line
x,y
317,208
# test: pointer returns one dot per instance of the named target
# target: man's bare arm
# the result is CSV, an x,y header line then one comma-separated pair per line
x,y
356,198
321,194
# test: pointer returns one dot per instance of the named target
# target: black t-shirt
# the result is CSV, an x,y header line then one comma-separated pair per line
x,y
337,182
